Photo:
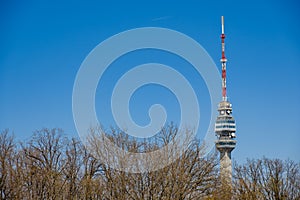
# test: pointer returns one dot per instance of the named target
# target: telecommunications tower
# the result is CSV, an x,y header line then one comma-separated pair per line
x,y
225,123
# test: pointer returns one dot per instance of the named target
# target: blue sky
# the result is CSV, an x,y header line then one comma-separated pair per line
x,y
43,45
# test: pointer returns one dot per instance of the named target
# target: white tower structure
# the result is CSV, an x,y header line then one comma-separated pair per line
x,y
225,124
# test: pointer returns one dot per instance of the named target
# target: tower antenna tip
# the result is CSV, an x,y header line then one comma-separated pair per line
x,y
222,21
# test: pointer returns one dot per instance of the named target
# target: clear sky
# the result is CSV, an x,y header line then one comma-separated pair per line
x,y
43,45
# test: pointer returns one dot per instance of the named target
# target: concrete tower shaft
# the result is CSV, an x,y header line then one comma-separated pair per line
x,y
225,130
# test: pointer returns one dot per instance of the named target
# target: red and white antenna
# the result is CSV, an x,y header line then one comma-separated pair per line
x,y
223,62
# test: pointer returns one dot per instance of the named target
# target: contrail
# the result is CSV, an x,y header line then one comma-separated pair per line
x,y
161,18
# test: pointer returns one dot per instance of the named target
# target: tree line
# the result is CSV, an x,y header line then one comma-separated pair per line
x,y
53,166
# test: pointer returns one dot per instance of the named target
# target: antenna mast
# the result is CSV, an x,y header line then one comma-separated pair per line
x,y
223,62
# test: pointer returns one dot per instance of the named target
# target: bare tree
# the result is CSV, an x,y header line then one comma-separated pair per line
x,y
72,168
189,177
44,164
50,166
7,153
267,179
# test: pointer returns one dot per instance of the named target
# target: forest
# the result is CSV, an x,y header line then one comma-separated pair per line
x,y
51,165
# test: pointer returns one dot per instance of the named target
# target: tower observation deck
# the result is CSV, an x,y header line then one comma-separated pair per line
x,y
225,124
